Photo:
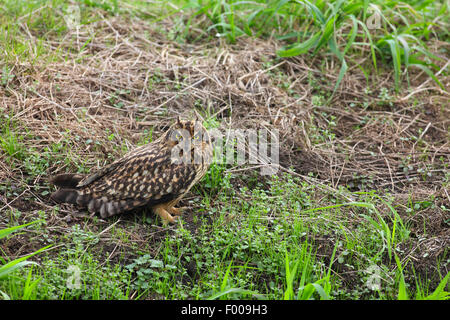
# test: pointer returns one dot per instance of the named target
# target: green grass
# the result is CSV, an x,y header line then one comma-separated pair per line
x,y
263,244
72,274
397,33
68,278
10,141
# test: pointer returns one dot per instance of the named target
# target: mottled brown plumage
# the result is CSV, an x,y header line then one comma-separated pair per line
x,y
157,175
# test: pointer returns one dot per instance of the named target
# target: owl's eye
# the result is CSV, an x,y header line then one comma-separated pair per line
x,y
197,137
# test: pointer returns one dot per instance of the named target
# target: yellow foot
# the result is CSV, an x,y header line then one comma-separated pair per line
x,y
175,211
165,216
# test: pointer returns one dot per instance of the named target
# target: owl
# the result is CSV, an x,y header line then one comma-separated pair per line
x,y
156,175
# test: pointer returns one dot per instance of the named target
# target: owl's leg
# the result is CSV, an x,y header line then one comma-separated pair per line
x,y
165,216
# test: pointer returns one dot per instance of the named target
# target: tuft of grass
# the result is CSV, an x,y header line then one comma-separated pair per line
x,y
73,273
7,269
438,294
305,290
10,142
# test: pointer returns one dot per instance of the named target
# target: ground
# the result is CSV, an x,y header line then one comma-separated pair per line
x,y
359,205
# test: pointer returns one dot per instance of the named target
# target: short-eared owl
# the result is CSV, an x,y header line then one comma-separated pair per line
x,y
156,175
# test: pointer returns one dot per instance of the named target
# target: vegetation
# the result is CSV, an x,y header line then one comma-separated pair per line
x,y
357,90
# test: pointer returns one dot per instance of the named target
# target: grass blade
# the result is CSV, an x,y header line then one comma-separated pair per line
x,y
18,263
7,231
440,293
396,58
299,48
429,73
402,293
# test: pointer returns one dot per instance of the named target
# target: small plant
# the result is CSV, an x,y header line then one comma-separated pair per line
x,y
147,137
385,97
151,274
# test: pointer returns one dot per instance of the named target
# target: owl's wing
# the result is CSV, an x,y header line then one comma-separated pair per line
x,y
147,150
99,174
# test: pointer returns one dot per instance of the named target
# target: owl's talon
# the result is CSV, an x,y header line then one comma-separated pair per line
x,y
172,219
165,216
175,211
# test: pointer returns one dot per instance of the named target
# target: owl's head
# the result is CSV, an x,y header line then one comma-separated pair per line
x,y
189,130
190,142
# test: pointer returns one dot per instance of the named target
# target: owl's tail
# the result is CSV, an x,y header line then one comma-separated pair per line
x,y
69,193
67,180
65,196
68,183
